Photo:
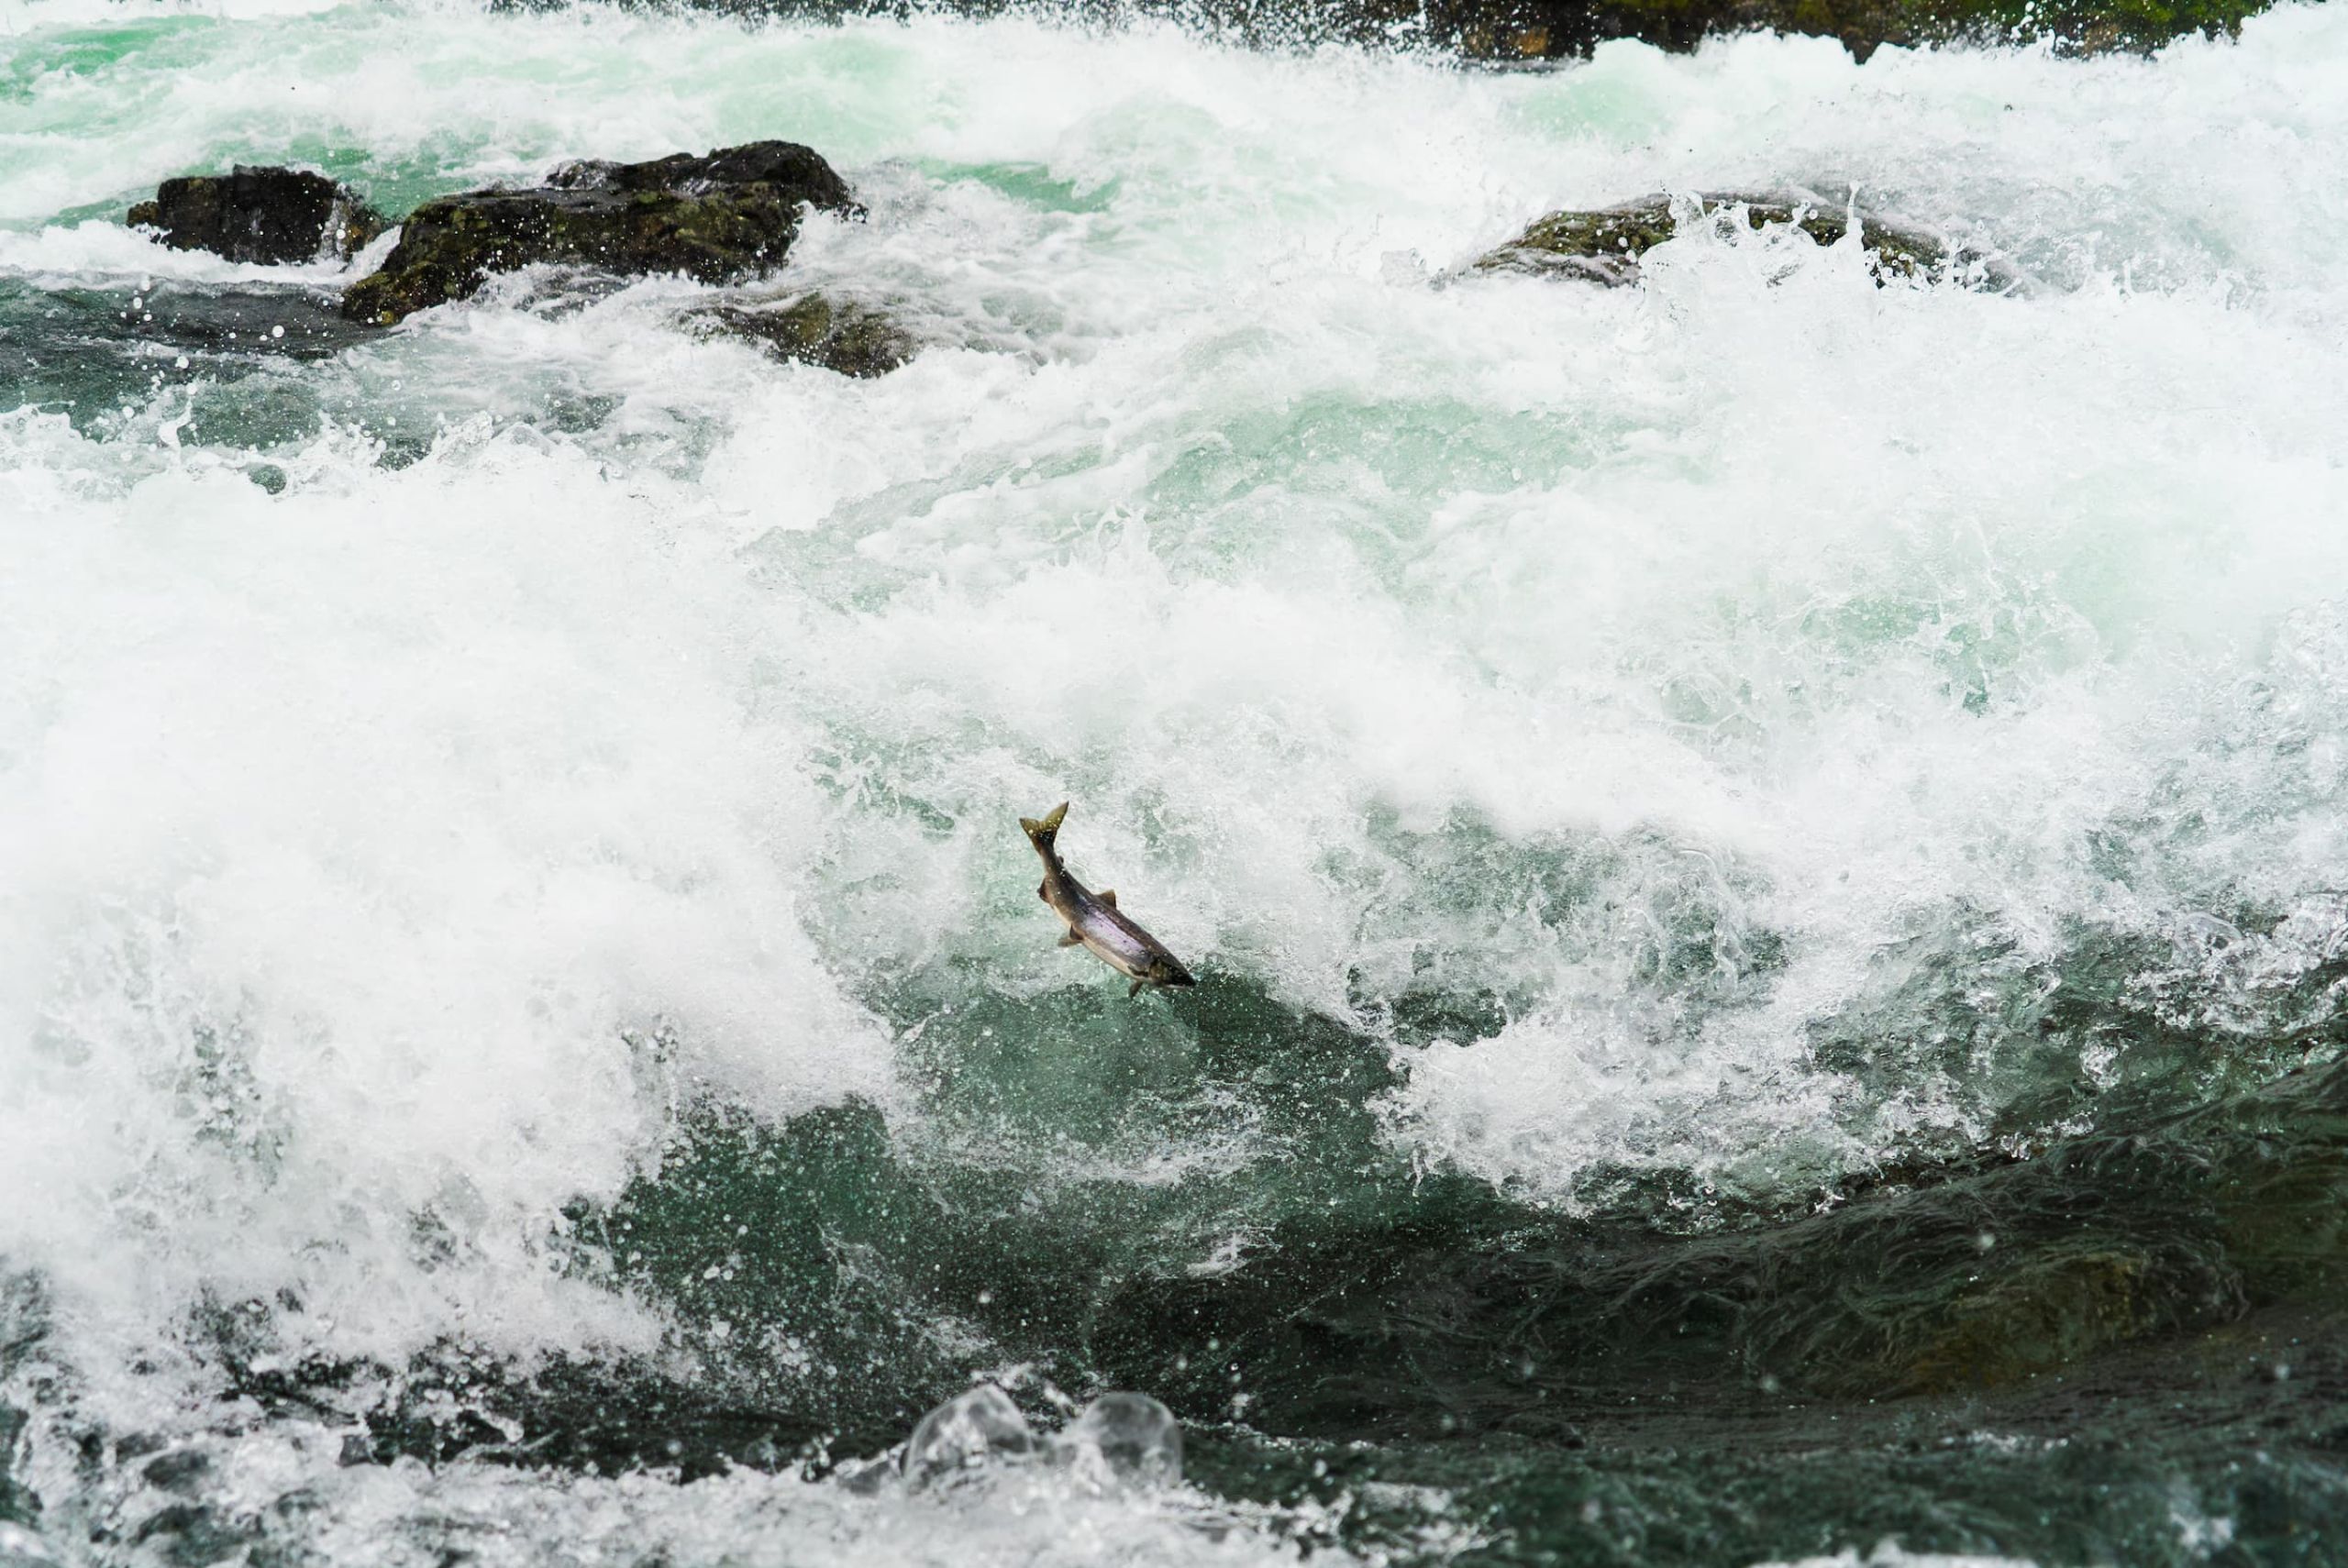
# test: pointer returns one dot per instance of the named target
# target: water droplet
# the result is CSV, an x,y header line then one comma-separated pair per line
x,y
978,1427
1123,1439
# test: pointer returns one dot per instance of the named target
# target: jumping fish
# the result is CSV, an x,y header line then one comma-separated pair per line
x,y
1095,922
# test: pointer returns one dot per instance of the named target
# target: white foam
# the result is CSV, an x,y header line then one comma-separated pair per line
x,y
102,252
345,832
284,1483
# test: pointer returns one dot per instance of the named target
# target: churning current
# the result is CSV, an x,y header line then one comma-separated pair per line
x,y
1763,848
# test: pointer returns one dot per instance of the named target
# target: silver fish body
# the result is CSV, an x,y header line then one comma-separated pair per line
x,y
1094,922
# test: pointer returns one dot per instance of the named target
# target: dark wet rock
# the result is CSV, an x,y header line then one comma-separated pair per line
x,y
839,336
727,214
265,214
1603,246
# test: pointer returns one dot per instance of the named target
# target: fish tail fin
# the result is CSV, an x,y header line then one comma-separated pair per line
x,y
1042,833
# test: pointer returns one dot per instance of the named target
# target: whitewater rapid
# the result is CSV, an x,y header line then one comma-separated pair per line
x,y
1698,730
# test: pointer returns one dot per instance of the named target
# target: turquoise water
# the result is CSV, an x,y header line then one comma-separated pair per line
x,y
1764,851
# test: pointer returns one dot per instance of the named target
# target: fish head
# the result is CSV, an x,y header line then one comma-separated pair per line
x,y
1165,971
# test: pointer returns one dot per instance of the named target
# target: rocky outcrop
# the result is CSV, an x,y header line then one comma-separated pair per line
x,y
1507,32
730,214
842,336
1531,29
265,214
1603,246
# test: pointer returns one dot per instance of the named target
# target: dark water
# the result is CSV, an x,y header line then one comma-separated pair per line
x,y
2123,1347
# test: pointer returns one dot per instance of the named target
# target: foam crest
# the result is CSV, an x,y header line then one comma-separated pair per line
x,y
283,1490
361,840
101,252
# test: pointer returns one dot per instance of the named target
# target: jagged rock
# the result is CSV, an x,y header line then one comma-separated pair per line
x,y
840,335
979,1428
1126,1439
266,215
726,214
1604,246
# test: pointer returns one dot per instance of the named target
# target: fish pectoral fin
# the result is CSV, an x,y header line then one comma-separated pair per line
x,y
1071,940
1107,896
1136,990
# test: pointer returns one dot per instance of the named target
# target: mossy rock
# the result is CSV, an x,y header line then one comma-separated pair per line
x,y
1604,245
841,336
727,214
267,214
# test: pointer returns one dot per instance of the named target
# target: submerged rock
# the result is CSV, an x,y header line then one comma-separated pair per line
x,y
981,1427
265,214
1604,245
842,336
1126,1439
726,214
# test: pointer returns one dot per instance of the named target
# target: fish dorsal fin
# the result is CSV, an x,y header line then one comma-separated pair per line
x,y
1107,896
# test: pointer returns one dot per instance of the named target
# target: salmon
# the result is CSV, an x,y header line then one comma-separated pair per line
x,y
1094,922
